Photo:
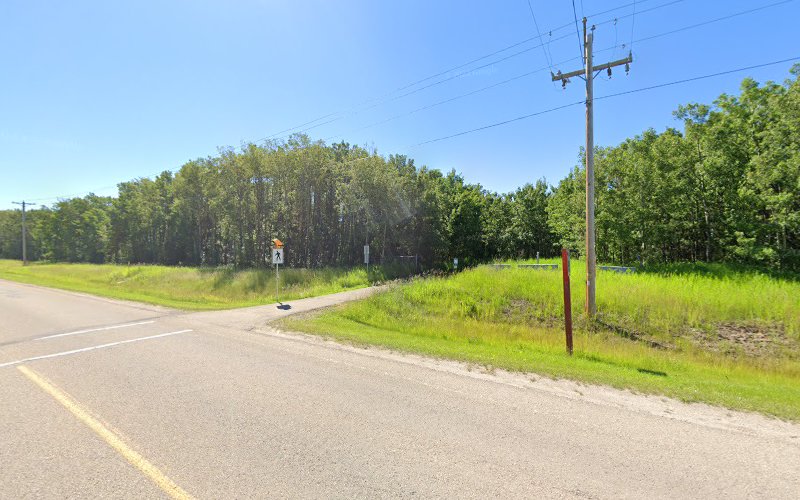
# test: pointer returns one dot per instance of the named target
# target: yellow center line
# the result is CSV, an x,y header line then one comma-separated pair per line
x,y
138,461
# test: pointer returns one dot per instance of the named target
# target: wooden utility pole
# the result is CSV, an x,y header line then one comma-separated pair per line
x,y
24,232
588,73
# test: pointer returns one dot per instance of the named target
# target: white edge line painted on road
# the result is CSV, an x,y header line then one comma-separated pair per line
x,y
85,349
89,330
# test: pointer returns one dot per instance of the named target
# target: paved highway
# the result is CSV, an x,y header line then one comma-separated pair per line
x,y
106,399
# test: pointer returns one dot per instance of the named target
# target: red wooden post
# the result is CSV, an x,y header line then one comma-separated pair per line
x,y
567,299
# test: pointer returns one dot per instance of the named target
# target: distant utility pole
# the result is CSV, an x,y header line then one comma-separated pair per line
x,y
588,73
24,232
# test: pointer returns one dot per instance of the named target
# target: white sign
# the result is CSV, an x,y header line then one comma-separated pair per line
x,y
277,255
366,254
455,263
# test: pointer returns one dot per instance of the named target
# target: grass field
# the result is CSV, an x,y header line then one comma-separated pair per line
x,y
189,288
697,333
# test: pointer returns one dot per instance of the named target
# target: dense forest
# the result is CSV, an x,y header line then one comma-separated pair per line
x,y
727,188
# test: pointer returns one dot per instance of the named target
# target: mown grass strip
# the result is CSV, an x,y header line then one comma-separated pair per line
x,y
188,288
510,319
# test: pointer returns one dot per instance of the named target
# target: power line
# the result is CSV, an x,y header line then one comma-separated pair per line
x,y
438,82
671,32
575,15
696,78
563,62
717,19
615,19
698,25
633,23
451,99
505,122
647,38
73,195
458,75
455,68
704,23
95,190
643,89
277,134
387,98
615,9
551,110
539,34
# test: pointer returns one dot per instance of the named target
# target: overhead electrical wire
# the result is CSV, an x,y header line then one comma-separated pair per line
x,y
550,110
730,16
577,32
449,70
354,111
643,89
390,98
438,82
700,24
504,122
633,23
696,78
616,8
619,18
401,115
451,99
647,38
95,190
547,57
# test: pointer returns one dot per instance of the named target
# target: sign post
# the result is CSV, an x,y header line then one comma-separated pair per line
x,y
567,300
277,259
366,259
455,264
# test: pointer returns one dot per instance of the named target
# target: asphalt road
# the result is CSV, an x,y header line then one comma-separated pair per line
x,y
105,399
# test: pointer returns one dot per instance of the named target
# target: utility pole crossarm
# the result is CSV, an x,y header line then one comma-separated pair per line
x,y
600,67
566,76
612,64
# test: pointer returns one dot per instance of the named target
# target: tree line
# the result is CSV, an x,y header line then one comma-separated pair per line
x,y
325,202
725,189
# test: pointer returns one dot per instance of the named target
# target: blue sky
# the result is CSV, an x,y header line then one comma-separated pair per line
x,y
95,93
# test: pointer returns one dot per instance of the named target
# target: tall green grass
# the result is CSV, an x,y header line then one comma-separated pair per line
x,y
512,318
192,288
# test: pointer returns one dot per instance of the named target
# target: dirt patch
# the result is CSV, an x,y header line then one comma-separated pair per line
x,y
748,339
634,335
517,309
523,311
735,339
